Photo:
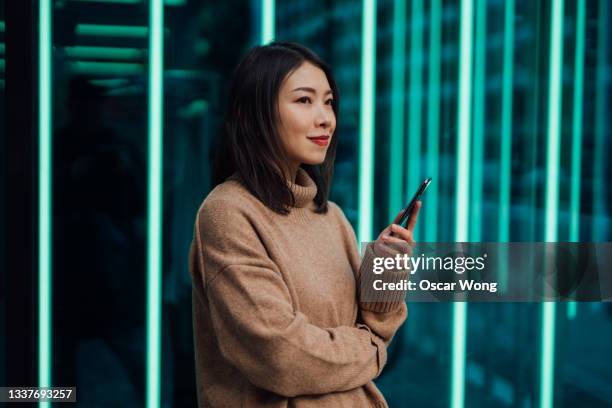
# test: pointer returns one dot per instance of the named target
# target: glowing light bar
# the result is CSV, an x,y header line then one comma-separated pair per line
x,y
105,68
366,125
268,27
100,30
155,203
462,210
114,53
396,147
45,317
433,119
415,100
552,197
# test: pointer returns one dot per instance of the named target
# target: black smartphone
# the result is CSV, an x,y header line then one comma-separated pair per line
x,y
410,207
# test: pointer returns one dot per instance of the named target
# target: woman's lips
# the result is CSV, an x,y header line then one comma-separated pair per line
x,y
320,140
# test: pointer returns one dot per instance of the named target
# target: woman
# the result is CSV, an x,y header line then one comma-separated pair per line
x,y
275,265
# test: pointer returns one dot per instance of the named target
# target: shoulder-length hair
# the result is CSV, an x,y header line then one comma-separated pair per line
x,y
251,145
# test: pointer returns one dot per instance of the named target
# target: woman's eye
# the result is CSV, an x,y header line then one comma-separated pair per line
x,y
307,99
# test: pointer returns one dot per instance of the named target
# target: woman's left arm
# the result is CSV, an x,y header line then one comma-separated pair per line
x,y
383,311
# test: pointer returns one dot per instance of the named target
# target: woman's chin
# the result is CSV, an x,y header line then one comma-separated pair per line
x,y
313,161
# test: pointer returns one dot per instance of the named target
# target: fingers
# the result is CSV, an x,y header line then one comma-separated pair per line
x,y
400,234
398,217
413,217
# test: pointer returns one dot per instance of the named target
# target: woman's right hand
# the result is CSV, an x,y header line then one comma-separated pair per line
x,y
396,239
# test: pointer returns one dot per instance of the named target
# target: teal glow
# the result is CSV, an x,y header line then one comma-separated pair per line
x,y
45,316
166,2
154,203
109,1
572,310
366,120
415,91
105,68
113,53
506,125
268,21
2,64
574,233
462,195
601,113
2,48
396,147
547,360
505,154
1,26
479,120
100,30
458,363
552,197
433,120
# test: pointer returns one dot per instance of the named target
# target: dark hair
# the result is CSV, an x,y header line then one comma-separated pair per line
x,y
251,144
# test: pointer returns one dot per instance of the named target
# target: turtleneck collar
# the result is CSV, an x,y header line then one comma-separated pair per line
x,y
304,189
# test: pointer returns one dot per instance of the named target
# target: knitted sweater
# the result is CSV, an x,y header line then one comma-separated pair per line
x,y
276,314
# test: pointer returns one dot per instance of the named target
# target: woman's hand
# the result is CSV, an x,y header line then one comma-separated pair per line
x,y
397,239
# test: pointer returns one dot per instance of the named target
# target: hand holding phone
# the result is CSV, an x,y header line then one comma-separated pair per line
x,y
410,207
397,236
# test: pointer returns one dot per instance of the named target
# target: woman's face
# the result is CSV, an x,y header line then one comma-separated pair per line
x,y
307,119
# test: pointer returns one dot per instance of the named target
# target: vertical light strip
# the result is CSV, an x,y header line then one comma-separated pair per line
x,y
154,202
505,154
366,126
574,233
480,69
506,125
44,196
555,94
462,196
396,147
601,86
268,21
415,99
433,120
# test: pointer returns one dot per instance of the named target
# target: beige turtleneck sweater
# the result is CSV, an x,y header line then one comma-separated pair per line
x,y
276,316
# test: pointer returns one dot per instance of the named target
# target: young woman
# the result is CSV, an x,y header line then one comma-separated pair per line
x,y
278,317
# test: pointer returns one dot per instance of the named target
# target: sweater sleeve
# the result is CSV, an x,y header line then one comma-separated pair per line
x,y
385,312
256,325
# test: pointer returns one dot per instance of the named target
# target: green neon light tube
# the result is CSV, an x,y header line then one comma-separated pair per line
x,y
105,68
2,26
114,53
2,48
45,316
462,210
2,65
110,1
155,203
433,119
366,126
396,147
574,233
268,28
552,197
601,114
506,125
479,120
100,30
415,100
505,154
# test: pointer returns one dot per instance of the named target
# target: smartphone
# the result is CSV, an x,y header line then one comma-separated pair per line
x,y
410,207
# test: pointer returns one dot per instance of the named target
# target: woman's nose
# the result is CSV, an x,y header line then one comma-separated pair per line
x,y
324,118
